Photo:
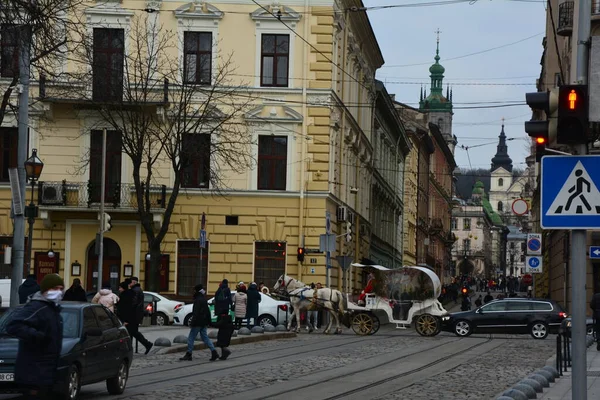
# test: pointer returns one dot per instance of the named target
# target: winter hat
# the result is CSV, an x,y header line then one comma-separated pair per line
x,y
50,281
198,287
106,285
124,285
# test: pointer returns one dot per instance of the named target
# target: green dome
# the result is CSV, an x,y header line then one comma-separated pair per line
x,y
437,68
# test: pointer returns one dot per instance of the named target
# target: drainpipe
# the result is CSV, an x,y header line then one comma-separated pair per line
x,y
303,140
395,222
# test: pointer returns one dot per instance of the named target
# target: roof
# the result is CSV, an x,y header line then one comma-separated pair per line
x,y
493,215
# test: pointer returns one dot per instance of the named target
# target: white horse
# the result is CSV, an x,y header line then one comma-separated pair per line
x,y
302,297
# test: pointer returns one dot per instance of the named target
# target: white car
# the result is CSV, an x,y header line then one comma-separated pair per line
x,y
270,311
165,308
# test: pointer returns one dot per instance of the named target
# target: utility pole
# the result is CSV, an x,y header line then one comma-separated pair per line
x,y
19,222
102,216
579,236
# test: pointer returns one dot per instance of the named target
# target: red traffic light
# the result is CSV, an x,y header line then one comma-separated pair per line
x,y
573,100
300,250
540,140
465,290
301,254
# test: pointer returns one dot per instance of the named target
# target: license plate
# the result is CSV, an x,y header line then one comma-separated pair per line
x,y
7,377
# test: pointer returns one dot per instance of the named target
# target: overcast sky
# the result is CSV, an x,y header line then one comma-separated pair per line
x,y
406,35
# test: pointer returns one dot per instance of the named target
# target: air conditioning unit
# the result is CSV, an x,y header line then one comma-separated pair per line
x,y
342,213
351,216
52,194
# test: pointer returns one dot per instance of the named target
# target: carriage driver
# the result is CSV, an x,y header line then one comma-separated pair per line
x,y
368,289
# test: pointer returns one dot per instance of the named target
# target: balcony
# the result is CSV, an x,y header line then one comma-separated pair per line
x,y
565,17
435,225
86,195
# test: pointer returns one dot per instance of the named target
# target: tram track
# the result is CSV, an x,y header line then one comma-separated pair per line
x,y
379,382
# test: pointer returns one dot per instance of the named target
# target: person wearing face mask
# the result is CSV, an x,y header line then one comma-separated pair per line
x,y
38,326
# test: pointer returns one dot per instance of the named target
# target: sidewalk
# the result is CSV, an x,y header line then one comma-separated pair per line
x,y
561,390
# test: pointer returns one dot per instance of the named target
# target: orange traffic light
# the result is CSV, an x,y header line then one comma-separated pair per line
x,y
572,99
300,254
540,140
465,290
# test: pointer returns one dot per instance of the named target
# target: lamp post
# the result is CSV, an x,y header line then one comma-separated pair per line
x,y
33,170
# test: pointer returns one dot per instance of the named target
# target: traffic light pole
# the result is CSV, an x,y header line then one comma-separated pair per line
x,y
579,236
102,190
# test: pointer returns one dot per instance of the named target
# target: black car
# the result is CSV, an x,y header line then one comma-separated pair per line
x,y
96,347
537,317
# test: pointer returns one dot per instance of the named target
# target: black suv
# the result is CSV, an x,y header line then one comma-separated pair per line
x,y
537,317
96,347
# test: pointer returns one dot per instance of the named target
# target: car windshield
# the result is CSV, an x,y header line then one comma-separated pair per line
x,y
70,321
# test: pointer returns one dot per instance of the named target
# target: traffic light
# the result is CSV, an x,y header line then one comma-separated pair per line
x,y
107,225
464,290
348,231
547,102
540,147
573,121
301,254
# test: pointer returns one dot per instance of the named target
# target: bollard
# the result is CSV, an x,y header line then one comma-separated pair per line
x,y
558,355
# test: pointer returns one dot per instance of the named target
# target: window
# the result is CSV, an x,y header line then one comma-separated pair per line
x,y
467,224
163,272
191,270
454,223
89,320
500,206
497,306
269,262
113,168
500,182
107,64
467,244
9,51
198,57
195,161
231,220
103,319
8,151
542,306
557,80
518,306
274,60
272,162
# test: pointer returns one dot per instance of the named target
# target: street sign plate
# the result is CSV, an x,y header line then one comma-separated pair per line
x,y
569,192
533,264
327,222
203,238
309,251
534,244
595,252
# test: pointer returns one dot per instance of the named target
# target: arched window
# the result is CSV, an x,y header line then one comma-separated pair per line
x,y
500,182
500,206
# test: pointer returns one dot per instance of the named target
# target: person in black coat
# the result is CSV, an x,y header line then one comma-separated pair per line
x,y
252,304
75,292
595,305
127,311
225,325
200,320
223,298
38,325
139,296
27,288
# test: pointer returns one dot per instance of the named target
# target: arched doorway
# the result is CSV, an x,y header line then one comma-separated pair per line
x,y
466,267
111,265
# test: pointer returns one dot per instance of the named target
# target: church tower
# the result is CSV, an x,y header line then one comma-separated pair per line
x,y
438,106
501,176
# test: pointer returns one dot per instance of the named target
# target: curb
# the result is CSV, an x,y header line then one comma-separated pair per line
x,y
182,348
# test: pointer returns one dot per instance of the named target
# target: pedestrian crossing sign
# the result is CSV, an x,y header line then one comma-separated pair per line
x,y
570,198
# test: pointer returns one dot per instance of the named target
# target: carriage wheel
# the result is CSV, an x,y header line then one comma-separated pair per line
x,y
427,325
376,324
362,324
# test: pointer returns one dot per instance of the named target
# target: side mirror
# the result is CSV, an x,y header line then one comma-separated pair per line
x,y
479,311
93,332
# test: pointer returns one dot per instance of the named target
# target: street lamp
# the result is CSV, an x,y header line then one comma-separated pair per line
x,y
33,170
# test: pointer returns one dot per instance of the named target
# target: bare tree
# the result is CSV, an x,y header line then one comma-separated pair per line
x,y
169,113
45,25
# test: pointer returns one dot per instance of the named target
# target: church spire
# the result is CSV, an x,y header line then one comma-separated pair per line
x,y
502,159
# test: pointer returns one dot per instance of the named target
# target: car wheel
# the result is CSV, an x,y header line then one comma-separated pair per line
x,y
117,384
187,320
72,385
590,330
160,319
462,328
266,320
539,330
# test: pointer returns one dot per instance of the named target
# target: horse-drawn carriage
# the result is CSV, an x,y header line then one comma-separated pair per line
x,y
400,296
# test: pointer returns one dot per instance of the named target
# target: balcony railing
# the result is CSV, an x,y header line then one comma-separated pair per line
x,y
595,7
87,195
565,18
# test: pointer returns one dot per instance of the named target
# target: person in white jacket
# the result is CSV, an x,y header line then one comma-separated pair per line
x,y
106,297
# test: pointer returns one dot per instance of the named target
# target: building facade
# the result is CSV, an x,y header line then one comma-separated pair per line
x,y
308,126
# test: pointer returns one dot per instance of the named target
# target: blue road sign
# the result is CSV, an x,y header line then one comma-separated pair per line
x,y
595,252
569,192
534,244
534,262
203,238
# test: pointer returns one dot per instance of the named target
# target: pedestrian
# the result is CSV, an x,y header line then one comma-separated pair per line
x,y
75,292
254,298
200,320
27,288
38,326
225,326
488,297
312,311
595,305
466,303
139,297
479,302
127,311
241,305
106,297
223,298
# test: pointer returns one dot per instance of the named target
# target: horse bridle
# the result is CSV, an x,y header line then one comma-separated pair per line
x,y
284,286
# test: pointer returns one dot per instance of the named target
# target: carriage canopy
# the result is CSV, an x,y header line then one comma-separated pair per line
x,y
421,280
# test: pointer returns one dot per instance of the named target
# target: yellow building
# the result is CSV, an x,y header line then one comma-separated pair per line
x,y
309,66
